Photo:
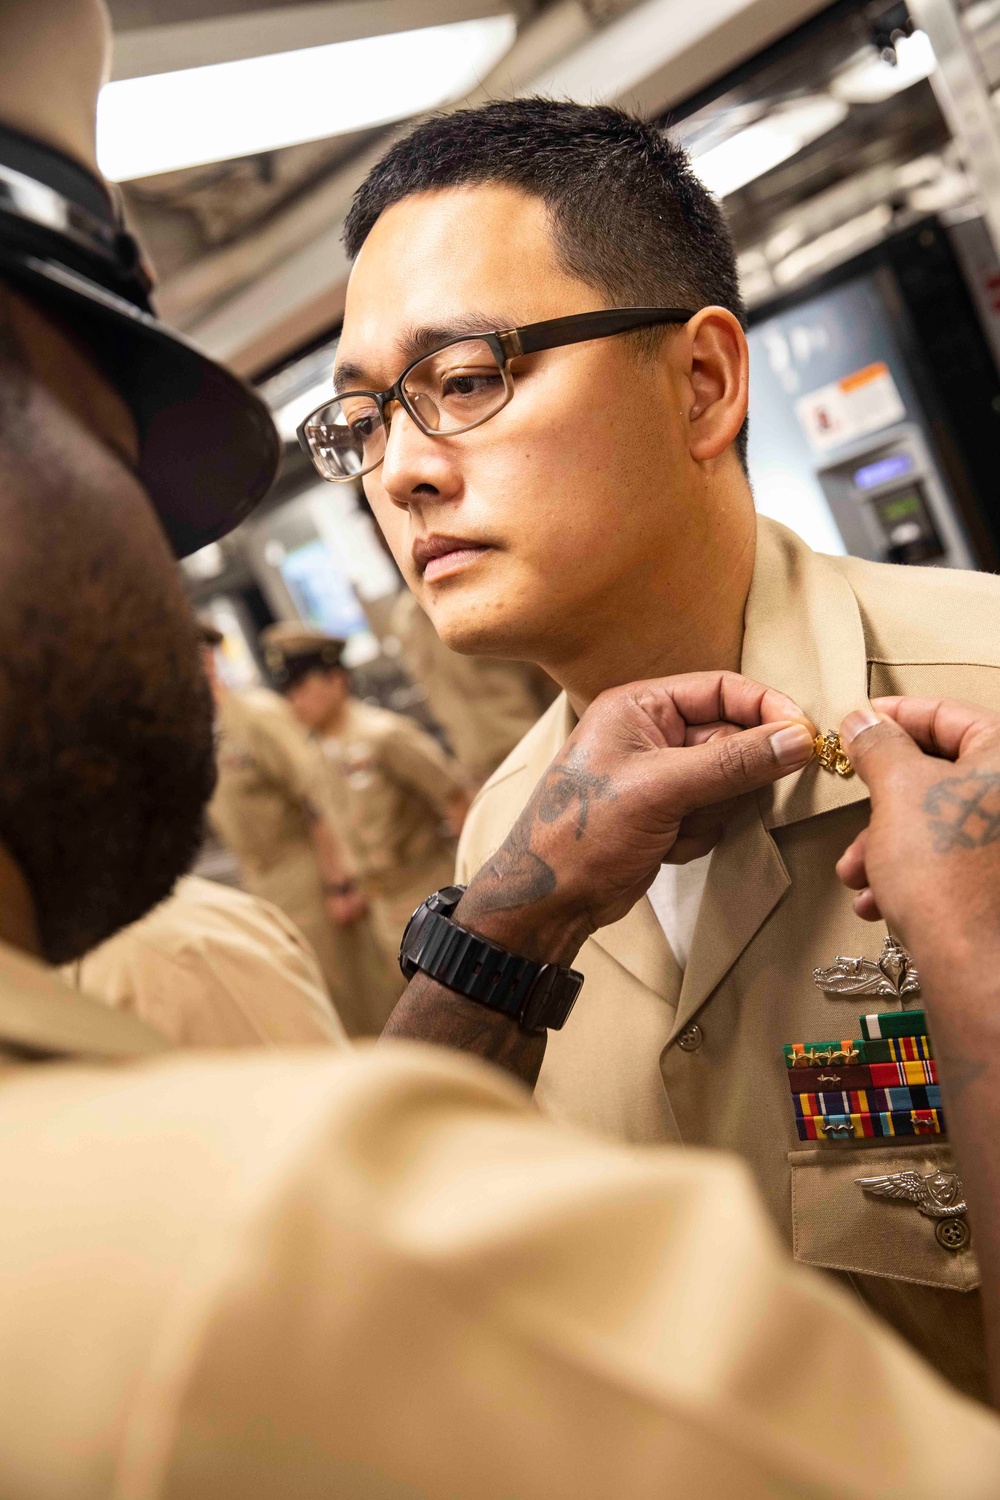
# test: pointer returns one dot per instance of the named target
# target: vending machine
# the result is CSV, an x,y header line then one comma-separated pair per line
x,y
875,409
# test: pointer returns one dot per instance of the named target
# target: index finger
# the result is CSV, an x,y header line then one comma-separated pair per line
x,y
946,727
711,697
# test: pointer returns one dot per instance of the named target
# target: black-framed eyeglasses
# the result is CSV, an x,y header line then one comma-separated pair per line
x,y
452,389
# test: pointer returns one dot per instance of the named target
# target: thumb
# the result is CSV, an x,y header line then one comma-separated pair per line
x,y
729,765
876,746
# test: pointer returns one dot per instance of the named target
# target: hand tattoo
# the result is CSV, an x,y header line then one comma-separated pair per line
x,y
964,811
561,784
515,876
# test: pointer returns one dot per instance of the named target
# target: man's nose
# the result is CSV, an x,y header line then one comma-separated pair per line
x,y
416,466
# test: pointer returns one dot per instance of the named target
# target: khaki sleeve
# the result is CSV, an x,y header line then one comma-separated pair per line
x,y
484,830
417,761
285,754
379,1274
219,990
238,999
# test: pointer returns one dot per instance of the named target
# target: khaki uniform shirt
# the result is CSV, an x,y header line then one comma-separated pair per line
x,y
649,1056
214,967
387,787
484,706
260,806
380,1274
263,809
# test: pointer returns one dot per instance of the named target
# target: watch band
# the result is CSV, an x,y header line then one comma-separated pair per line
x,y
538,997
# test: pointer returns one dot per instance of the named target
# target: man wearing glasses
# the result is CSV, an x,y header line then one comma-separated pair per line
x,y
542,384
374,1273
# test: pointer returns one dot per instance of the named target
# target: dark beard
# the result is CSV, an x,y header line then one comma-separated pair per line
x,y
106,746
104,778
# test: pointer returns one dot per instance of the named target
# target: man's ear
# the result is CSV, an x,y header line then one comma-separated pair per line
x,y
718,377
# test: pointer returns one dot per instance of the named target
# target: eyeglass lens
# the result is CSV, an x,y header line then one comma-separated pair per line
x,y
456,387
449,391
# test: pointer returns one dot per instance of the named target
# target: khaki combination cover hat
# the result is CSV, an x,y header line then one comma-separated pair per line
x,y
208,447
292,649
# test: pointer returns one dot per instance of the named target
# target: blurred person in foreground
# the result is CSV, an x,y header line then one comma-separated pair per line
x,y
390,791
214,967
542,384
265,810
366,1274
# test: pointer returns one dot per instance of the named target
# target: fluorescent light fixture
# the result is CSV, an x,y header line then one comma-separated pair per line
x,y
870,79
780,135
836,244
171,120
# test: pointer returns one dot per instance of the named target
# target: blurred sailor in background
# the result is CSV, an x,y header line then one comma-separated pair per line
x,y
264,810
484,706
214,967
391,792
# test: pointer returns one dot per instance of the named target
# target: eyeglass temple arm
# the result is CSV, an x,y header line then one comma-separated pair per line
x,y
579,327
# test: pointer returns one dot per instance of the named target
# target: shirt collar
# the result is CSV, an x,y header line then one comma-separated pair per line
x,y
803,634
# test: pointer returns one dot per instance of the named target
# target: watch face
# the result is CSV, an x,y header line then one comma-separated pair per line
x,y
414,927
443,901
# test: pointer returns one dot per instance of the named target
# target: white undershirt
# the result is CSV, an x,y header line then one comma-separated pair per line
x,y
675,897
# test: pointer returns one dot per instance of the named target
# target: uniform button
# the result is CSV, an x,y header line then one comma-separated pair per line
x,y
953,1234
690,1038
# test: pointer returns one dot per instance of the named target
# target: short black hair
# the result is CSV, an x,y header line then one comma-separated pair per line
x,y
629,215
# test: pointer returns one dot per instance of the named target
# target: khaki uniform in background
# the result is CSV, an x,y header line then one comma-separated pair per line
x,y
650,1056
484,706
214,967
387,785
380,1274
262,809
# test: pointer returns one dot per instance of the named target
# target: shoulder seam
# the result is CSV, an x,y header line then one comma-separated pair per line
x,y
927,661
493,783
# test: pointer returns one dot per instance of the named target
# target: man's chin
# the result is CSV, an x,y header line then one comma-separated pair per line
x,y
482,633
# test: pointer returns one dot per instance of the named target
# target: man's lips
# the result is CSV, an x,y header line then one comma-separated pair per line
x,y
437,556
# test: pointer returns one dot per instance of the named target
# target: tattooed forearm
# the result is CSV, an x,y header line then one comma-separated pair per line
x,y
431,1013
964,811
520,901
515,876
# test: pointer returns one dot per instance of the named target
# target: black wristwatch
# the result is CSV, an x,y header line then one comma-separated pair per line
x,y
538,997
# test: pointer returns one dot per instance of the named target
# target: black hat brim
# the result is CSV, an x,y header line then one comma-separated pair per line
x,y
209,450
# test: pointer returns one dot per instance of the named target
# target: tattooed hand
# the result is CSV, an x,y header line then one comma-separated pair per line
x,y
929,862
648,775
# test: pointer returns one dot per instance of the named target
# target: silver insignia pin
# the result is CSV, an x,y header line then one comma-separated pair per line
x,y
939,1195
891,974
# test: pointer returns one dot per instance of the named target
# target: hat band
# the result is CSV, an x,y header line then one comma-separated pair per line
x,y
42,207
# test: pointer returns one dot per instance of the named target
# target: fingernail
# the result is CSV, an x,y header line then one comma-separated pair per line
x,y
856,722
792,746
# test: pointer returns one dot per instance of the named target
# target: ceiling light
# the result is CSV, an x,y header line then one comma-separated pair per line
x,y
780,135
837,244
170,120
870,79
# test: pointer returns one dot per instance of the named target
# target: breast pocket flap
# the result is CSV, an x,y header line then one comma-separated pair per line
x,y
881,1231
